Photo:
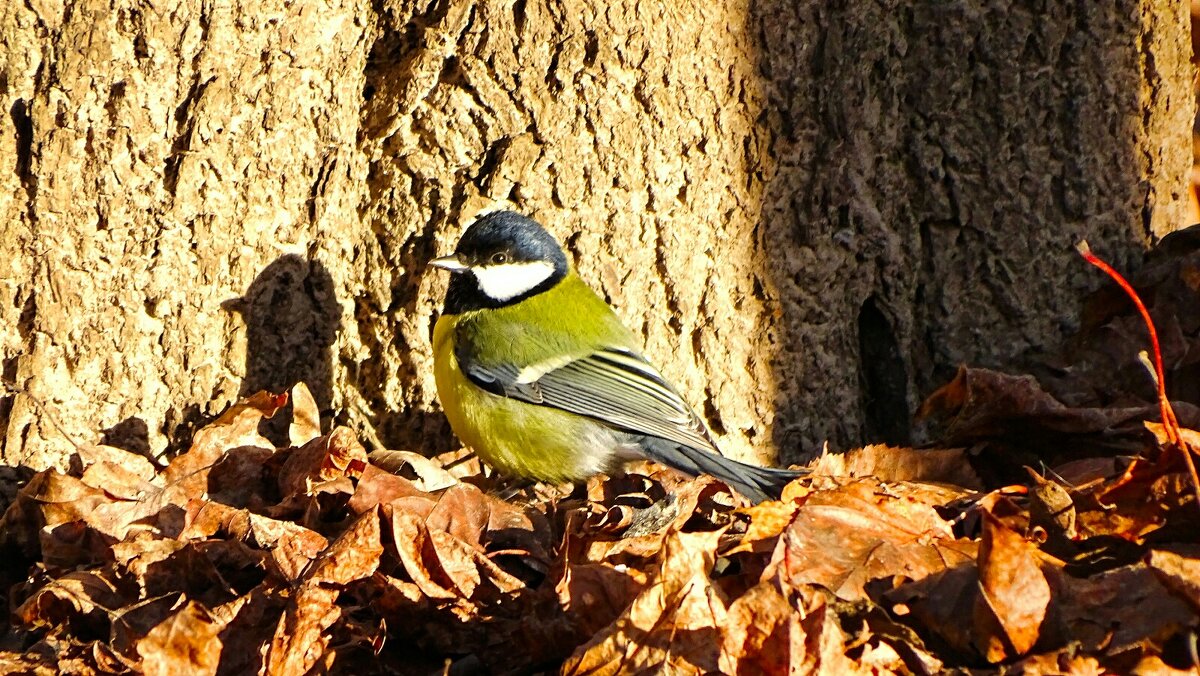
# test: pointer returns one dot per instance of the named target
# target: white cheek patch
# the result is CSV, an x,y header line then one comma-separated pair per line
x,y
507,281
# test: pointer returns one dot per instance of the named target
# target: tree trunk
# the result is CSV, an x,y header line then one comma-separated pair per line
x,y
811,211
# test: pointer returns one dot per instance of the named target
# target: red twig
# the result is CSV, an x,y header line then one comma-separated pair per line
x,y
1170,423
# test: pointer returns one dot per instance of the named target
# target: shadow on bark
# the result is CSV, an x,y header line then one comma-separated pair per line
x,y
292,319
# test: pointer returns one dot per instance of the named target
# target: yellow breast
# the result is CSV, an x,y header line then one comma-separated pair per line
x,y
516,437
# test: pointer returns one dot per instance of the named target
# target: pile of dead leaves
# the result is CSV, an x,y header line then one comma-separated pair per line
x,y
239,557
242,557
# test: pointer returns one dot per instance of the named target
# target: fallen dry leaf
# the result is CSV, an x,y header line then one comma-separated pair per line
x,y
186,642
673,625
1179,571
1013,593
893,463
334,456
862,530
301,638
762,634
427,474
306,417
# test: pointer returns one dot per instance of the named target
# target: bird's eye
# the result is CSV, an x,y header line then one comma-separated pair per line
x,y
499,258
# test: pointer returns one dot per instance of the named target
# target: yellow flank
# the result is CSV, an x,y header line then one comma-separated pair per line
x,y
515,437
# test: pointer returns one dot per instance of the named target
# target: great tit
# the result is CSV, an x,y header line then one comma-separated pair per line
x,y
537,374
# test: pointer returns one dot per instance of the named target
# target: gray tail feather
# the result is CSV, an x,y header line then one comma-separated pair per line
x,y
756,483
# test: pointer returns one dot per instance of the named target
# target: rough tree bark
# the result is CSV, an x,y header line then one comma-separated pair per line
x,y
811,211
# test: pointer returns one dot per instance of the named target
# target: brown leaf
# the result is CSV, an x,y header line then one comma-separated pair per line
x,y
426,474
673,625
117,481
1178,571
595,594
334,456
1013,592
768,520
292,547
456,562
462,511
442,566
409,537
306,417
844,537
984,405
301,636
1146,500
243,477
186,642
378,487
78,595
1116,609
762,634
187,475
90,454
139,554
892,463
942,604
826,641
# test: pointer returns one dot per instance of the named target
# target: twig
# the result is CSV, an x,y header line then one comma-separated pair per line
x,y
1170,423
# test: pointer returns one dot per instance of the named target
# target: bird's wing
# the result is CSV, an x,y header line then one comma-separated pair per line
x,y
615,386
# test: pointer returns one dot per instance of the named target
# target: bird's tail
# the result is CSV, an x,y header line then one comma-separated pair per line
x,y
756,483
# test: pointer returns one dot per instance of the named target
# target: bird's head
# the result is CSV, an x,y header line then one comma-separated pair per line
x,y
502,258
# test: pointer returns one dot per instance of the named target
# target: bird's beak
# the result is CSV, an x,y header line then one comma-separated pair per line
x,y
450,263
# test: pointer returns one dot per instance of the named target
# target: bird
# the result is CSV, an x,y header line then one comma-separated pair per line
x,y
538,375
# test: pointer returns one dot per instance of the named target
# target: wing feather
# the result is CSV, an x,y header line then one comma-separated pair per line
x,y
614,386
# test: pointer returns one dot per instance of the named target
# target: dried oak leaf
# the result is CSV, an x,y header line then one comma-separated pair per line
x,y
1145,502
858,530
306,417
762,633
595,594
1178,569
768,520
1115,610
292,547
186,477
48,500
81,597
141,556
940,604
426,474
301,637
337,455
380,487
186,642
90,454
1013,593
441,565
673,625
893,463
66,521
464,512
984,405
765,634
